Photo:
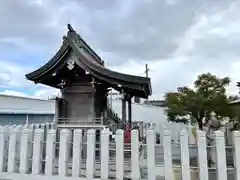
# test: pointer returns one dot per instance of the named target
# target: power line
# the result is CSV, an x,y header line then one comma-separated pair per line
x,y
194,13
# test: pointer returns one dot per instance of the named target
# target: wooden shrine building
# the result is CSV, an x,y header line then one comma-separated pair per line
x,y
84,82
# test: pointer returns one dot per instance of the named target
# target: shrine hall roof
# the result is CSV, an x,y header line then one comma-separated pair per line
x,y
89,61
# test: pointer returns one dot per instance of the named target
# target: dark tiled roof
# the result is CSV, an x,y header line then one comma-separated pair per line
x,y
134,85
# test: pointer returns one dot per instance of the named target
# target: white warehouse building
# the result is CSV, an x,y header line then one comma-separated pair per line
x,y
21,110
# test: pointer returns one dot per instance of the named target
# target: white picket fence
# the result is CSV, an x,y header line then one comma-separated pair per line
x,y
26,153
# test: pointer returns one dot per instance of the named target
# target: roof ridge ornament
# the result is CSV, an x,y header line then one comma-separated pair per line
x,y
70,28
70,64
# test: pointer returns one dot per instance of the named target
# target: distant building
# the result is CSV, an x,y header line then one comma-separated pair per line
x,y
21,110
159,103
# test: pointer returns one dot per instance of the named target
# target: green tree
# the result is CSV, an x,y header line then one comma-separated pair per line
x,y
192,105
235,109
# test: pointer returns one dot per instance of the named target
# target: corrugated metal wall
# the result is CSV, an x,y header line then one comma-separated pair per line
x,y
21,105
9,119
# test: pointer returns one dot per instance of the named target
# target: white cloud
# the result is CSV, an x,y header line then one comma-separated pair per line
x,y
151,32
12,75
39,94
14,93
47,93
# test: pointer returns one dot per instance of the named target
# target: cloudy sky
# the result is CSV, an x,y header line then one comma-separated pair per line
x,y
178,39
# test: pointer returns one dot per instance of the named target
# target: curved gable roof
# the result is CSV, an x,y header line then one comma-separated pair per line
x,y
88,60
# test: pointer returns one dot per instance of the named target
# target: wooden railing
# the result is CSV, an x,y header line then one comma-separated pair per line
x,y
115,117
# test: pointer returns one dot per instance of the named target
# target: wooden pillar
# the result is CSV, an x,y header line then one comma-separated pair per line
x,y
124,109
56,116
129,111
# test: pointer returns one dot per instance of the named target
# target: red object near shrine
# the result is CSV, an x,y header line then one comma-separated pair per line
x,y
127,135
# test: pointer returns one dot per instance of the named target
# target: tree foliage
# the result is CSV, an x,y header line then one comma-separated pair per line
x,y
235,109
208,95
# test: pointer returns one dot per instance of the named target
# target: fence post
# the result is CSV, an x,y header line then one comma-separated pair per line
x,y
24,150
18,142
161,133
184,155
191,135
167,146
119,154
77,150
202,155
3,135
50,152
38,126
47,127
135,154
90,165
221,155
151,154
37,151
104,153
31,135
236,155
63,151
12,150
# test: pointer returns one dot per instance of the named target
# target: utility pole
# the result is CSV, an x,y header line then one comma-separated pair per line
x,y
111,99
146,69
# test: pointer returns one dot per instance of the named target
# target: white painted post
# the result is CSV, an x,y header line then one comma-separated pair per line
x,y
46,127
18,141
221,155
202,155
236,155
192,139
119,154
26,118
7,130
63,153
174,132
52,126
161,133
23,167
38,126
37,151
31,126
77,149
90,165
151,154
25,126
2,147
104,153
12,150
135,154
167,147
50,152
30,139
184,155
